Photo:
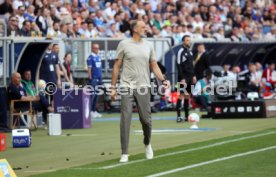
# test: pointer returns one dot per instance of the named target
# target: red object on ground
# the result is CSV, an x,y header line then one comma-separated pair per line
x,y
2,141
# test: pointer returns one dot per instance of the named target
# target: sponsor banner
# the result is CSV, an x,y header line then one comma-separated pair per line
x,y
238,109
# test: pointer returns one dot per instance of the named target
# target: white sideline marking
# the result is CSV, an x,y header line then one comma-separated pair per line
x,y
187,150
78,135
39,171
212,161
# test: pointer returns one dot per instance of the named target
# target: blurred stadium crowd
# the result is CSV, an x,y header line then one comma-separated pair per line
x,y
233,20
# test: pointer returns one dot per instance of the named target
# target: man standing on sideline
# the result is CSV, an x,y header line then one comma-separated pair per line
x,y
201,61
137,57
186,76
49,70
94,64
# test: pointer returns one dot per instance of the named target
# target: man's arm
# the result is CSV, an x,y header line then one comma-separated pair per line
x,y
89,73
29,98
58,75
65,73
115,73
178,64
156,70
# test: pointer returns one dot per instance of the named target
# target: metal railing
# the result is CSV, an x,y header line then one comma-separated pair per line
x,y
80,49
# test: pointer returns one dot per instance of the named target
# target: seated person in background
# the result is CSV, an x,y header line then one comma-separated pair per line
x,y
267,76
28,84
255,83
201,95
259,69
17,92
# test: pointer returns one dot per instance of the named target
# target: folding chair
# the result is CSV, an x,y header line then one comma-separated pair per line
x,y
16,113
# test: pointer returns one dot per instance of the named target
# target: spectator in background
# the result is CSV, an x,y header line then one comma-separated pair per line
x,y
41,20
63,31
235,37
83,31
166,31
99,21
268,76
200,92
13,29
112,32
109,12
253,22
219,35
178,34
259,69
29,15
158,22
55,30
6,8
53,14
20,15
93,32
255,83
26,29
201,62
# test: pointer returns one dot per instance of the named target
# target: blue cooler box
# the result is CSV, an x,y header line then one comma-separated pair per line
x,y
21,138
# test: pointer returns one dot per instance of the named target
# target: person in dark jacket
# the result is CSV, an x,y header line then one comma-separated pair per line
x,y
201,61
186,76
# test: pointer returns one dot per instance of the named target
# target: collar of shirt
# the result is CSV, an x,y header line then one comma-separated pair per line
x,y
94,55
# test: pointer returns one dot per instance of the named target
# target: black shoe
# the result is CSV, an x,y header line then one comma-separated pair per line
x,y
185,119
179,119
205,116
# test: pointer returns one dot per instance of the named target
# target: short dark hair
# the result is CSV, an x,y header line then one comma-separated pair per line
x,y
208,72
184,37
133,24
25,22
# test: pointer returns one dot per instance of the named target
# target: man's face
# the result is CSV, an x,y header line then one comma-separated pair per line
x,y
56,49
272,66
56,26
27,75
95,48
201,48
28,26
140,28
187,42
14,22
17,79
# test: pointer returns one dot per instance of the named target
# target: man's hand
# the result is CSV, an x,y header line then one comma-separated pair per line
x,y
113,94
194,80
166,84
59,83
183,81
